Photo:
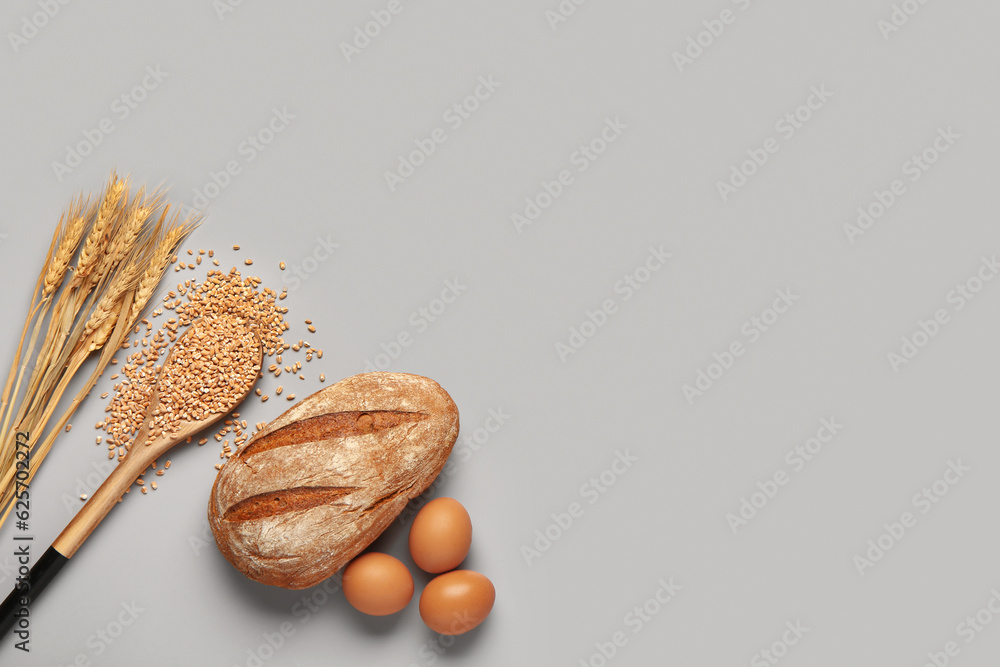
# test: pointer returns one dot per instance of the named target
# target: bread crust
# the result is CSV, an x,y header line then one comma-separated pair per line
x,y
309,492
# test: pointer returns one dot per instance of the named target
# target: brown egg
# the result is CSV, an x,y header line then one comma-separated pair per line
x,y
456,602
440,535
377,584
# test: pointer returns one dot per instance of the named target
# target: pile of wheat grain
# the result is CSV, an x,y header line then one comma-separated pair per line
x,y
230,297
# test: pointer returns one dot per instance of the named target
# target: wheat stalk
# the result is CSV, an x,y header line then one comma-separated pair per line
x,y
72,234
159,260
100,223
40,449
121,258
59,255
112,234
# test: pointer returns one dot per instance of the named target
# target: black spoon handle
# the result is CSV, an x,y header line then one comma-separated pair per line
x,y
17,605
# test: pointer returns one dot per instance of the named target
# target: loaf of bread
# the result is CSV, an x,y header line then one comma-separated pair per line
x,y
322,481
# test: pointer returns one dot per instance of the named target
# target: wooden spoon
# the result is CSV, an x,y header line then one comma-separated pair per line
x,y
139,457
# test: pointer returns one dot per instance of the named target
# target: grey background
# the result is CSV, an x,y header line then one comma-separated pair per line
x,y
495,346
